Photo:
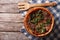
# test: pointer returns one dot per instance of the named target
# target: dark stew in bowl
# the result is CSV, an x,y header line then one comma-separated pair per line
x,y
39,21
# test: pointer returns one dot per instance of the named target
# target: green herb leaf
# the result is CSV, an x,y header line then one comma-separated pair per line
x,y
35,20
43,30
42,25
39,11
48,21
37,29
40,30
37,14
41,16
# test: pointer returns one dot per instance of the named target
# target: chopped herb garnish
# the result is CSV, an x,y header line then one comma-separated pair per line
x,y
40,30
34,21
48,21
35,18
32,16
43,30
37,14
39,11
41,16
42,25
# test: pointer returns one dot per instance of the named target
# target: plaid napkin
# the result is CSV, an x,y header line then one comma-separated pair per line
x,y
55,34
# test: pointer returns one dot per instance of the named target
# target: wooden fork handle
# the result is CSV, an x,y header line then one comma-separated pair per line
x,y
44,4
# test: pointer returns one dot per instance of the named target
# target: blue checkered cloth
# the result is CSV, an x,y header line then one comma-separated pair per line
x,y
55,34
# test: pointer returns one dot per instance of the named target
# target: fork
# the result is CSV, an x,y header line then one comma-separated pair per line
x,y
25,5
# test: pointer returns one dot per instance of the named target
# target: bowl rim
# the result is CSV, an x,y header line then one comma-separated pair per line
x,y
26,17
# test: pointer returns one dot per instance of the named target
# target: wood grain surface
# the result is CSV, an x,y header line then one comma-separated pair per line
x,y
9,8
13,1
11,21
11,17
10,27
12,36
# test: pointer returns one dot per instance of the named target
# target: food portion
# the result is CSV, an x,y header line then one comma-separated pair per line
x,y
39,21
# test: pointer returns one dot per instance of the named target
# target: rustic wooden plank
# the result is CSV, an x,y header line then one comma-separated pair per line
x,y
9,8
12,1
10,22
13,27
9,1
6,17
12,36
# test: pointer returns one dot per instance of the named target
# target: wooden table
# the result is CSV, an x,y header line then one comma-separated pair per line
x,y
11,21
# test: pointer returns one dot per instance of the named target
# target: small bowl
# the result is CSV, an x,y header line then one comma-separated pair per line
x,y
27,17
